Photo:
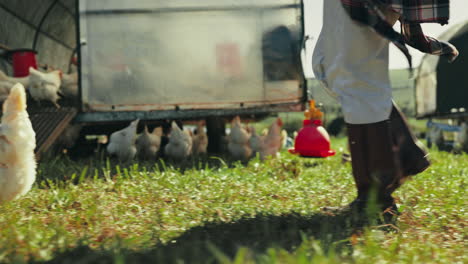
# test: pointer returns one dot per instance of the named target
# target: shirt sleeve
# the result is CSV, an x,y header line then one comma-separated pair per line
x,y
370,12
414,36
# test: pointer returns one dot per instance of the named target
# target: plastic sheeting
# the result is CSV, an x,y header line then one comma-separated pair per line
x,y
155,55
21,19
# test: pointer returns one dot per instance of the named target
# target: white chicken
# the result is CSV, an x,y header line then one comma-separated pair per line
x,y
7,82
255,141
122,143
148,143
69,85
273,141
284,138
179,146
41,86
17,144
238,145
200,140
44,86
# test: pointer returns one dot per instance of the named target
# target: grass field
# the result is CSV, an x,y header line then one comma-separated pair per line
x,y
95,211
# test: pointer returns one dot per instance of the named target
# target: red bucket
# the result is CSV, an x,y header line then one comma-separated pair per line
x,y
22,60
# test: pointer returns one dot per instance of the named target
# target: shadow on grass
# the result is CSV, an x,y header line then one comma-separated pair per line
x,y
257,234
61,167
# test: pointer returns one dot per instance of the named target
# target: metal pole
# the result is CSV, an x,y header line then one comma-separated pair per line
x,y
36,36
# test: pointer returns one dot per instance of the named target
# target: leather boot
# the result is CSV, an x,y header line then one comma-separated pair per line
x,y
384,166
376,168
412,154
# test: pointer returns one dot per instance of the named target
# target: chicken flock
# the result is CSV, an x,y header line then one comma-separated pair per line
x,y
42,86
18,141
243,142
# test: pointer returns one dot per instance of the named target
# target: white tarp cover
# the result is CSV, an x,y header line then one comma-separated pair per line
x,y
56,38
152,55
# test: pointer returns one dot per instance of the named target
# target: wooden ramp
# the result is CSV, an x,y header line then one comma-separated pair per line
x,y
49,123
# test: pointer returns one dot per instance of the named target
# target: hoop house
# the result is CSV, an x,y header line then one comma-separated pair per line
x,y
442,87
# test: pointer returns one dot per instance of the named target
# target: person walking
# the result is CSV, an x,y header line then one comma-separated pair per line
x,y
351,60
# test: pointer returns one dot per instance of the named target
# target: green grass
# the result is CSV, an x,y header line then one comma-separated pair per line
x,y
94,211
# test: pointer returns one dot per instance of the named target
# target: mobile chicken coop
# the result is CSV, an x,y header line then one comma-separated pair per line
x,y
442,87
159,60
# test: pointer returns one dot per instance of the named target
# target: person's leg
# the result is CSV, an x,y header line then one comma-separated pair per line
x,y
383,155
357,135
384,167
375,165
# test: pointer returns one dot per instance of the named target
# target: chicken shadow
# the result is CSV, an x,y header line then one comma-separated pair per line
x,y
257,234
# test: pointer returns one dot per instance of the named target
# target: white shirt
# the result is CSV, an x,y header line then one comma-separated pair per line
x,y
351,61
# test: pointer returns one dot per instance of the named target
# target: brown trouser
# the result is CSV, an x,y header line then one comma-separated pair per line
x,y
384,154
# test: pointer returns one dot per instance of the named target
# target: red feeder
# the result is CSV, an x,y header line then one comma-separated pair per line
x,y
312,140
22,60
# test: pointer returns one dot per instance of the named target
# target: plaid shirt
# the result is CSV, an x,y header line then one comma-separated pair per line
x,y
412,13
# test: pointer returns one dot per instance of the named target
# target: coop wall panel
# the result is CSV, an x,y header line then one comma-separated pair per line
x,y
154,55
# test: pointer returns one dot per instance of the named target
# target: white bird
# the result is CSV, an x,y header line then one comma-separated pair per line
x,y
122,142
44,86
255,141
17,144
238,145
200,141
148,143
179,146
273,141
7,82
284,138
69,85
